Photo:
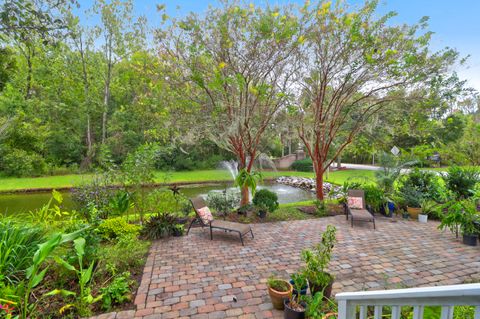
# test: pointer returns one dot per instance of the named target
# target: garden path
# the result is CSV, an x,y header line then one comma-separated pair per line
x,y
194,277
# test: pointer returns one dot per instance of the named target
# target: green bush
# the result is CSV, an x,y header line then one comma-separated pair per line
x,y
374,196
266,198
461,181
159,226
165,201
305,165
115,228
18,244
126,254
20,163
223,201
117,292
420,185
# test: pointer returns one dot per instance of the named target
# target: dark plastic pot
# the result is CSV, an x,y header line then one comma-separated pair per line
x,y
262,214
470,240
177,232
303,292
289,313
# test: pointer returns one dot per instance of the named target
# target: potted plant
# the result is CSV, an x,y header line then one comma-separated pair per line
x,y
429,207
468,225
405,214
412,199
279,289
262,210
463,214
303,290
295,307
317,260
265,201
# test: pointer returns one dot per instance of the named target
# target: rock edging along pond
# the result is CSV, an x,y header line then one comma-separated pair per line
x,y
307,184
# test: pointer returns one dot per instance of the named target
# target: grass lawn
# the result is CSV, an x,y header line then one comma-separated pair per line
x,y
65,181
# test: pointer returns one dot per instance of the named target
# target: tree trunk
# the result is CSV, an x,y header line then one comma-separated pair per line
x,y
319,186
106,99
29,78
245,196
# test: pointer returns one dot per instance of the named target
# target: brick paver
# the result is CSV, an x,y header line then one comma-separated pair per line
x,y
194,277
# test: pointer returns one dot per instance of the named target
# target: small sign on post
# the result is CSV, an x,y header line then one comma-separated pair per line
x,y
395,151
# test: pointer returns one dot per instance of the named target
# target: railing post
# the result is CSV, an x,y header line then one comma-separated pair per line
x,y
346,310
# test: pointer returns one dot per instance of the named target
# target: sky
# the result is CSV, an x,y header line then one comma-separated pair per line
x,y
454,23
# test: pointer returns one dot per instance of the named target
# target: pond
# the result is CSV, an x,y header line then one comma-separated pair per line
x,y
18,203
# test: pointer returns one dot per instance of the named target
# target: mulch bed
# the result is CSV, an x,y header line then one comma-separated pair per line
x,y
332,210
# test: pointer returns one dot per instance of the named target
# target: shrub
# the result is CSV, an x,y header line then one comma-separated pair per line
x,y
374,196
18,244
266,198
125,255
17,162
115,228
166,201
305,165
94,194
420,185
461,181
159,226
117,292
223,201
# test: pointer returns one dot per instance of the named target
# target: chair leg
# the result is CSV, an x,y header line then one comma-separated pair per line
x,y
211,233
241,239
251,232
190,226
374,224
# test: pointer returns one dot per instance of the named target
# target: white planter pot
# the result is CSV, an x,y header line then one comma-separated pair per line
x,y
422,218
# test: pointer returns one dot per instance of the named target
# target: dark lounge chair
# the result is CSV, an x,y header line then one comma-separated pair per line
x,y
204,219
356,207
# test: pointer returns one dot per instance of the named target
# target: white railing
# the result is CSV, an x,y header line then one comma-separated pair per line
x,y
349,303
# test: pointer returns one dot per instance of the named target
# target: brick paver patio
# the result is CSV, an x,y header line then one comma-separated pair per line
x,y
192,276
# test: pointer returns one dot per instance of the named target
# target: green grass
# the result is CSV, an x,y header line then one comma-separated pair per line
x,y
339,177
65,181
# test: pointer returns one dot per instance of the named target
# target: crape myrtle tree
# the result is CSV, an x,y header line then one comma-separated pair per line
x,y
352,63
238,60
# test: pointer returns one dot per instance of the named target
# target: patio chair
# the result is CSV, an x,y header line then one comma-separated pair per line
x,y
356,207
204,218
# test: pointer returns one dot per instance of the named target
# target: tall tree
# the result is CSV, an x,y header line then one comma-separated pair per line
x,y
119,36
352,63
239,61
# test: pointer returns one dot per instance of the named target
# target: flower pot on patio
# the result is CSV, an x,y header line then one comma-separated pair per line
x,y
470,240
414,211
422,218
262,214
297,312
279,289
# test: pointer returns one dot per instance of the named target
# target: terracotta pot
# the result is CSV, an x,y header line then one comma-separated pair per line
x,y
278,297
414,212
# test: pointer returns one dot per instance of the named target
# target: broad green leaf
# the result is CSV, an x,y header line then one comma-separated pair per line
x,y
38,278
65,264
62,292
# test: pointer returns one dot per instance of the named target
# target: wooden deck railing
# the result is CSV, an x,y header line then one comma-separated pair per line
x,y
351,304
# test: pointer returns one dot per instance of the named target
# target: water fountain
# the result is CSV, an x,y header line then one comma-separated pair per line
x,y
231,166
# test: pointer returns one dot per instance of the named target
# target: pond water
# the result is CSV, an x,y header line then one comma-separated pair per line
x,y
18,203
